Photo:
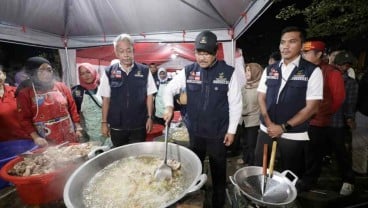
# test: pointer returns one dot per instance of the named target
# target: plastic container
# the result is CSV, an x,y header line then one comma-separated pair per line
x,y
155,132
38,189
176,117
10,149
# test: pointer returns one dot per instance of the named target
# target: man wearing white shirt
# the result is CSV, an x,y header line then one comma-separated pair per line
x,y
213,108
289,93
127,103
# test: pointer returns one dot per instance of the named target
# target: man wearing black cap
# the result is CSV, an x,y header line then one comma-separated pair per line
x,y
213,108
343,121
333,97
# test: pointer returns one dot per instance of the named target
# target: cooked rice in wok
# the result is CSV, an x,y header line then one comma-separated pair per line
x,y
130,182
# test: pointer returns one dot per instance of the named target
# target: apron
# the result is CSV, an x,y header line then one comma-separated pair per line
x,y
92,115
52,119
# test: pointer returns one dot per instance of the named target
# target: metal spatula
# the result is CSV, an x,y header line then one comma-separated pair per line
x,y
164,171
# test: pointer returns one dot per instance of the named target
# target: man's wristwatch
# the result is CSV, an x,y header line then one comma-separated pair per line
x,y
287,127
150,117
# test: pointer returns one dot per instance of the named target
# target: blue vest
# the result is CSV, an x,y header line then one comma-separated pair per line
x,y
292,97
127,109
207,107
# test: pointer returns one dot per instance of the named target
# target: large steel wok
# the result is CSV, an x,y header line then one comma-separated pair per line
x,y
280,190
190,166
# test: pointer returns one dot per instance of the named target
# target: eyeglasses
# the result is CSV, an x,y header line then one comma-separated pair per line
x,y
203,54
46,69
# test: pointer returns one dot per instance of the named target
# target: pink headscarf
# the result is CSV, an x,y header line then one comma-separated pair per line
x,y
96,81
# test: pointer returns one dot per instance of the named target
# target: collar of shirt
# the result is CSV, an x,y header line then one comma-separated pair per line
x,y
286,70
295,62
126,70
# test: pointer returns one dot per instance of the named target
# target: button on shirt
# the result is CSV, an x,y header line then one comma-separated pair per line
x,y
314,91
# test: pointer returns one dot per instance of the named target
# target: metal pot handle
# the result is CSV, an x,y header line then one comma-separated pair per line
x,y
284,173
96,151
232,180
201,180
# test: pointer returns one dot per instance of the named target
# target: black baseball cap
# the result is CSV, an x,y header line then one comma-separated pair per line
x,y
344,57
206,41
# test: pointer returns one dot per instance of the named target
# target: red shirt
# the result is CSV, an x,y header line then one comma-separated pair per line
x,y
9,122
333,95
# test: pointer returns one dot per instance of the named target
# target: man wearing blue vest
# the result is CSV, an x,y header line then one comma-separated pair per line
x,y
127,103
289,93
213,108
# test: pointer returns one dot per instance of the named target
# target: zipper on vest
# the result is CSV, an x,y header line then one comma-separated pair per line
x,y
128,95
206,90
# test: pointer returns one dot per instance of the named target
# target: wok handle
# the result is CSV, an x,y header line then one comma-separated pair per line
x,y
201,180
232,180
273,155
264,164
284,173
96,151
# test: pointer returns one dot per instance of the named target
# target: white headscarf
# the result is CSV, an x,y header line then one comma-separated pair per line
x,y
158,75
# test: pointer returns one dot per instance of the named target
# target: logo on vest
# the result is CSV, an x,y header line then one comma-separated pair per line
x,y
221,79
273,74
194,77
115,74
299,76
138,74
78,93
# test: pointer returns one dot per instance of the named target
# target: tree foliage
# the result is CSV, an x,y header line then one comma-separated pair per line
x,y
346,19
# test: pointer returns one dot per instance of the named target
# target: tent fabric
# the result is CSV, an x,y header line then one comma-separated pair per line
x,y
157,53
68,64
85,23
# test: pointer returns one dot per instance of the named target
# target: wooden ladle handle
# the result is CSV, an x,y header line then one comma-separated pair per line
x,y
273,155
264,164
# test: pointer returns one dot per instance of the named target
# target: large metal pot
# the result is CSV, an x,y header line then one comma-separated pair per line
x,y
280,190
190,166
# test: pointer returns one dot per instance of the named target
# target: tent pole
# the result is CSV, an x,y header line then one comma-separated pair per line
x,y
67,67
232,52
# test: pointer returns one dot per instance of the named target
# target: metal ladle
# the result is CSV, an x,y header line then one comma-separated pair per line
x,y
270,169
164,171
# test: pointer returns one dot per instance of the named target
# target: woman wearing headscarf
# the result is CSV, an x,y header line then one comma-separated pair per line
x,y
9,123
89,104
159,103
46,107
250,115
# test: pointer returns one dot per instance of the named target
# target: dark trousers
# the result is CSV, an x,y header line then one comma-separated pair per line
x,y
216,152
317,149
321,139
292,153
249,142
123,137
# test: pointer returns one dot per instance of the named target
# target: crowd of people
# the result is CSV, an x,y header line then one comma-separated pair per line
x,y
312,104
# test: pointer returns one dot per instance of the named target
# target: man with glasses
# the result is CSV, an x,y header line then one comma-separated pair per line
x,y
213,108
127,103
